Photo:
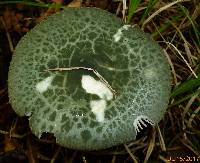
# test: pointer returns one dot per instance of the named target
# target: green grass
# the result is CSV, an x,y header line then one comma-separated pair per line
x,y
133,5
186,86
33,3
196,31
149,8
186,90
184,98
166,25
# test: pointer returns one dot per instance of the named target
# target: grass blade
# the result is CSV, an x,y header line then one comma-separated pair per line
x,y
166,25
32,3
186,86
133,4
177,102
186,13
150,6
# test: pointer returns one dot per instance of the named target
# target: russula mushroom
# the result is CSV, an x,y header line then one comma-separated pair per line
x,y
89,79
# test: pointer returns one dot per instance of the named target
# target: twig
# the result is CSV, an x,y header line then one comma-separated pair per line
x,y
192,117
160,10
163,159
150,147
182,58
85,68
186,109
13,127
31,152
113,159
118,8
161,140
168,58
187,49
130,153
43,157
124,10
190,146
55,155
14,135
172,67
8,36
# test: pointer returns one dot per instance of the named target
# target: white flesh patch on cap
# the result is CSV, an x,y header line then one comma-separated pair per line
x,y
141,121
98,88
117,36
43,85
98,107
92,86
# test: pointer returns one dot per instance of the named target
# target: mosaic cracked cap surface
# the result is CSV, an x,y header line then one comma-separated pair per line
x,y
79,106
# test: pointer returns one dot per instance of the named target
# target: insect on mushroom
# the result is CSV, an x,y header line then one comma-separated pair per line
x,y
87,105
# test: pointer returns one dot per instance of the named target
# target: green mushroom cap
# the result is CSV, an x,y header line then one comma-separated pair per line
x,y
115,79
